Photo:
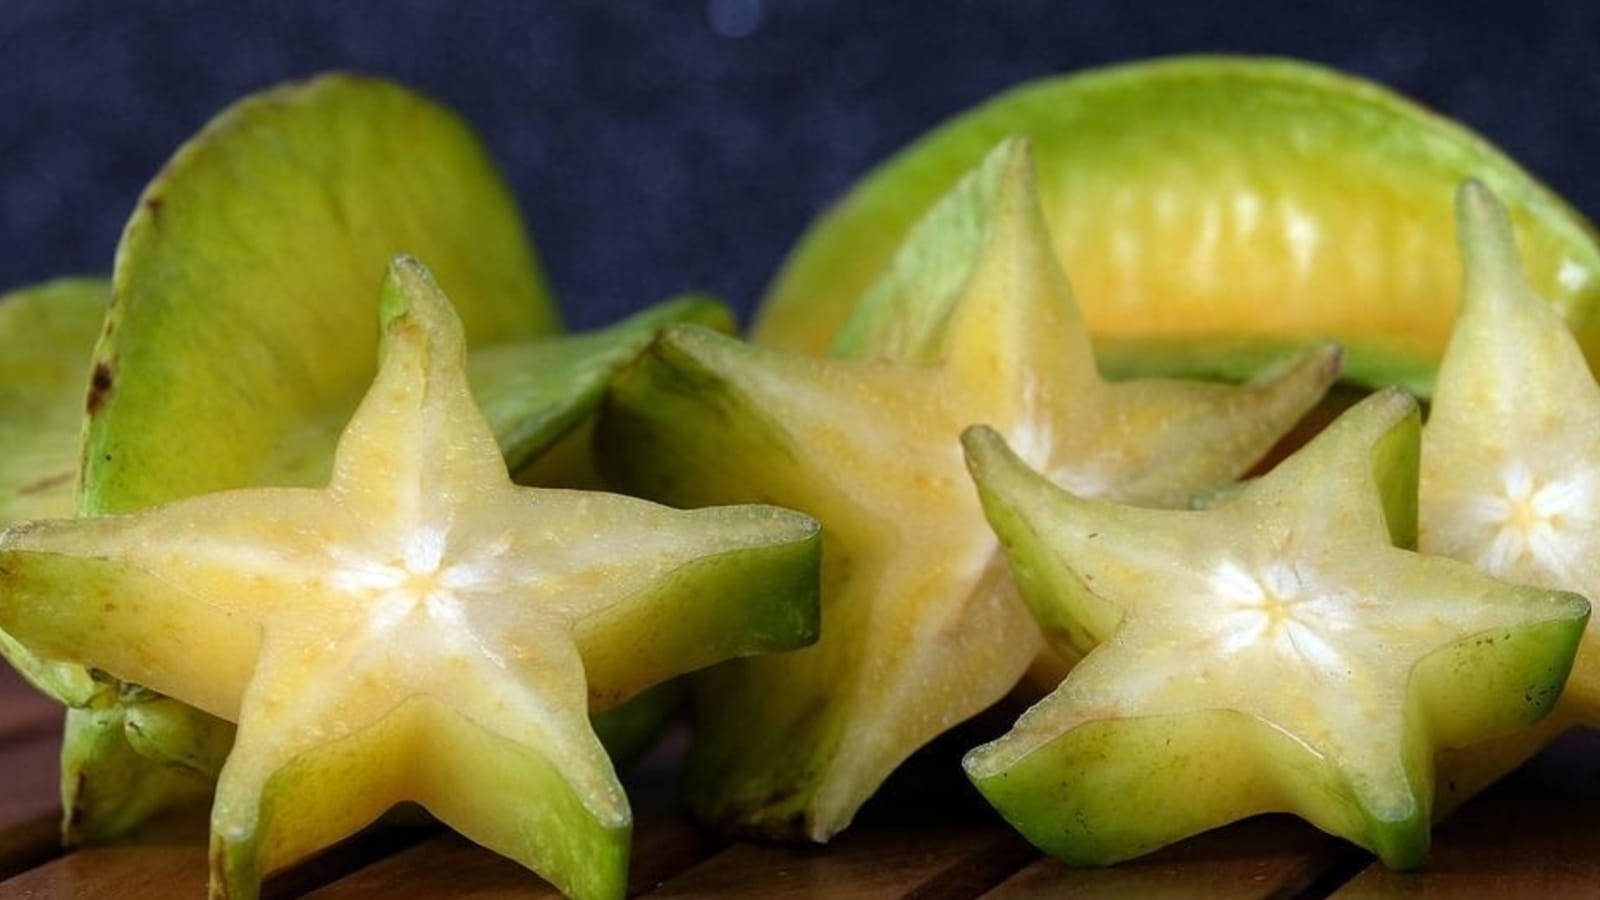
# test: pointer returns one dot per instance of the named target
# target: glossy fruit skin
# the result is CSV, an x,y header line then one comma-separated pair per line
x,y
1354,662
1214,212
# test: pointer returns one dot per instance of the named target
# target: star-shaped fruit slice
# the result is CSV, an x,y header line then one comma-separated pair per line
x,y
1280,652
421,629
924,626
239,341
1511,459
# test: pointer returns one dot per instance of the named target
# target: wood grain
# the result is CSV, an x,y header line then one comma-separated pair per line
x,y
25,712
1263,857
1534,835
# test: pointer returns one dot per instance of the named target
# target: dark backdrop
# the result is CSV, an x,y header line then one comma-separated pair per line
x,y
664,146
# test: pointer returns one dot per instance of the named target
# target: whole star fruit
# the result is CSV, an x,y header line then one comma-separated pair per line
x,y
1510,470
924,628
239,340
1280,652
1215,212
420,629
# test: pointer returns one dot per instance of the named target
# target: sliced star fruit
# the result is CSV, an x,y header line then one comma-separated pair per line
x,y
1281,652
421,629
240,339
924,627
1213,212
1511,461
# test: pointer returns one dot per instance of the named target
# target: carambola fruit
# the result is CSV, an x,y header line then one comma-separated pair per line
x,y
1281,651
420,629
1213,212
1511,461
923,628
46,333
239,341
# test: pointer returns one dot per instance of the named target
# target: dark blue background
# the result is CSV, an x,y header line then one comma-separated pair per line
x,y
653,148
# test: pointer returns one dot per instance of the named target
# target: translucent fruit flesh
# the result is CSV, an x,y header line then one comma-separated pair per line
x,y
1277,653
1214,212
421,629
924,628
240,340
1510,466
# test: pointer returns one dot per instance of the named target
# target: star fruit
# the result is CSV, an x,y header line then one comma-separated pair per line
x,y
45,335
974,322
1213,212
1510,466
420,629
1279,652
239,341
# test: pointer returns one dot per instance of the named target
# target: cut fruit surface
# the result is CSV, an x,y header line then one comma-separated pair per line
x,y
1511,456
923,625
421,629
241,334
1276,653
1215,212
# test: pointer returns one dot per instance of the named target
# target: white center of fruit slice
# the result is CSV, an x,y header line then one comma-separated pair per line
x,y
1530,521
1277,607
416,579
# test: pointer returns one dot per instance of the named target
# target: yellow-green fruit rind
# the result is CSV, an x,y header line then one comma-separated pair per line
x,y
1230,208
108,788
162,729
244,284
628,731
534,391
47,335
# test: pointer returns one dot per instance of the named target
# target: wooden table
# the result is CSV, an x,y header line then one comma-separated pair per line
x,y
927,835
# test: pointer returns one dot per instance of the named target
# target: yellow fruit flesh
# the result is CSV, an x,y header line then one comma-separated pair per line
x,y
420,615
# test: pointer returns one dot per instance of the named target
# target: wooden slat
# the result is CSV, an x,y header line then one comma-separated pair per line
x,y
862,863
30,806
30,816
1534,835
23,710
1268,856
169,860
926,835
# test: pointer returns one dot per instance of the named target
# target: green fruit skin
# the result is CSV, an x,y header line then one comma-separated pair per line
x,y
1374,171
47,333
